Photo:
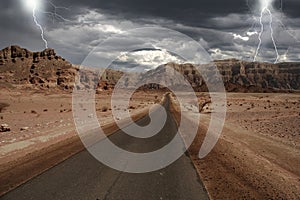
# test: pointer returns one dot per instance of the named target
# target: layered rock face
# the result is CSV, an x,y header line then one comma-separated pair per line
x,y
282,76
238,76
44,69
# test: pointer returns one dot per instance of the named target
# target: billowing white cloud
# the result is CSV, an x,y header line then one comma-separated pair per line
x,y
144,60
237,36
251,33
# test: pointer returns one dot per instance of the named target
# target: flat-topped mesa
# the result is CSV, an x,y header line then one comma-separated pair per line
x,y
21,67
237,75
46,54
12,53
230,60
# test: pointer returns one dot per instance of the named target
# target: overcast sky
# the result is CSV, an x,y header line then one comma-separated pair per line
x,y
224,28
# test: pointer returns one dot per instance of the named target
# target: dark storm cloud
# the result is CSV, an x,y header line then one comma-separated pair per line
x,y
15,23
291,8
193,13
190,12
220,26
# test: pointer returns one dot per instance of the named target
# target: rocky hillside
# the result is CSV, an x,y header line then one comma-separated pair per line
x,y
282,76
45,70
20,67
238,76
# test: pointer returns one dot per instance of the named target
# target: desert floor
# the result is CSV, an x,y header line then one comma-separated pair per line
x,y
42,123
258,153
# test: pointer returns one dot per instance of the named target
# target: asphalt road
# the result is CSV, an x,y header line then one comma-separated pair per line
x,y
83,177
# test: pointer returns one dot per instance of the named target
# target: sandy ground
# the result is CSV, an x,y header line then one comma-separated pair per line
x,y
40,114
42,126
258,154
256,157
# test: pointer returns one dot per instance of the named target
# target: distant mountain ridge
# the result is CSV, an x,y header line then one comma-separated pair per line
x,y
240,76
20,67
284,76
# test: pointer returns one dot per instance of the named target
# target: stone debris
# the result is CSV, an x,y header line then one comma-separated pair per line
x,y
24,128
4,128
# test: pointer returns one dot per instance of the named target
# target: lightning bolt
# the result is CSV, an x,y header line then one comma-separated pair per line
x,y
38,25
53,14
266,9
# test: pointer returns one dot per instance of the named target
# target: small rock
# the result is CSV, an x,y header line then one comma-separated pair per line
x,y
4,128
24,128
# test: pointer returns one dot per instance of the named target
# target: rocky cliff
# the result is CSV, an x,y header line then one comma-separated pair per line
x,y
20,67
282,76
238,76
45,70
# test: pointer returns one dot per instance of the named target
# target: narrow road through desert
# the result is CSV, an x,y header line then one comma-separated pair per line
x,y
83,177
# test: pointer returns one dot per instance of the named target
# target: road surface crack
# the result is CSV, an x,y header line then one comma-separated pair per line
x,y
111,187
